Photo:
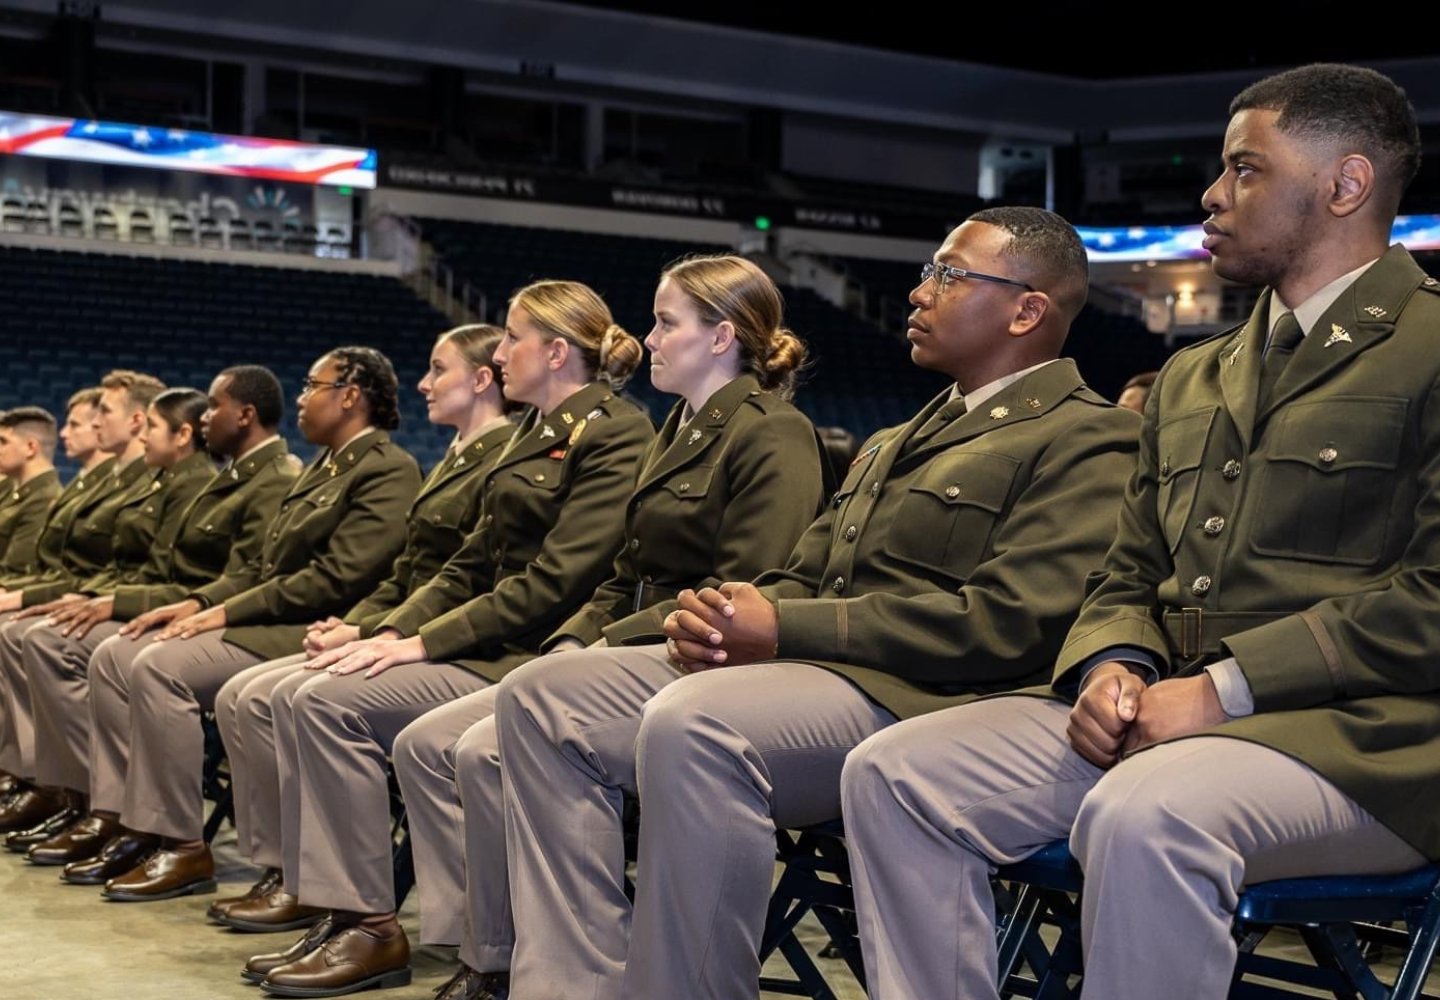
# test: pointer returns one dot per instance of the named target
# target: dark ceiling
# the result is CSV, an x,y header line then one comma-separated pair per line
x,y
1098,41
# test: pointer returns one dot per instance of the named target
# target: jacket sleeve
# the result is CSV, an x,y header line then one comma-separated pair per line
x,y
570,564
357,551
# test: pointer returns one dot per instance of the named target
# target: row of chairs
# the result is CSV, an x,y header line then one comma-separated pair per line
x,y
142,225
1345,924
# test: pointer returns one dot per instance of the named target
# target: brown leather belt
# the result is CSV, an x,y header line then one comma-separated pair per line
x,y
1195,632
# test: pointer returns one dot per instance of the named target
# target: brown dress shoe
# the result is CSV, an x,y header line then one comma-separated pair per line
x,y
354,959
120,854
260,966
165,874
20,841
80,840
278,911
28,807
268,883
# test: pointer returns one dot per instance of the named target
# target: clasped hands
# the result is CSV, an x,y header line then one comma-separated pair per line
x,y
1116,714
726,626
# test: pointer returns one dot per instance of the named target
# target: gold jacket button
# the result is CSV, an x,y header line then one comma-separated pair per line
x,y
1328,455
634,545
838,585
851,532
1231,469
684,487
952,491
1201,586
875,489
1165,468
1214,525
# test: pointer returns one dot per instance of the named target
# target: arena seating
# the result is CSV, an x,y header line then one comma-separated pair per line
x,y
73,316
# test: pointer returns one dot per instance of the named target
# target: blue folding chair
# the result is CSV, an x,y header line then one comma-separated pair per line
x,y
1337,917
1041,891
815,880
215,783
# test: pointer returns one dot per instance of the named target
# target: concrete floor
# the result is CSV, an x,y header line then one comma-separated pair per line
x,y
169,951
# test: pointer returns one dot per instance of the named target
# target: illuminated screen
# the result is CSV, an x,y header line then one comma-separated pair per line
x,y
178,149
1139,243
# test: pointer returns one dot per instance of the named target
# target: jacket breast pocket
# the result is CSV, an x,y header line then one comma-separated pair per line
x,y
313,515
690,484
1334,465
948,513
1180,451
446,515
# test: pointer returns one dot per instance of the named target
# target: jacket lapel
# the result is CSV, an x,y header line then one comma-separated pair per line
x,y
1240,360
1030,397
540,435
1363,316
687,444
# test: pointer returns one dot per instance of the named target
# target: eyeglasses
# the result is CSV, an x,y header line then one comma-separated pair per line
x,y
943,274
309,385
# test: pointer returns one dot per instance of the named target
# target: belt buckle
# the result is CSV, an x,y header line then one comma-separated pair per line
x,y
1192,621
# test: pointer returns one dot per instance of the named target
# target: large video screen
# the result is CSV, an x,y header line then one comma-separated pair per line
x,y
1142,243
178,149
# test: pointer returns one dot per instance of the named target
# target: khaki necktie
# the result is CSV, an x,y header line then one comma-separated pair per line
x,y
1283,341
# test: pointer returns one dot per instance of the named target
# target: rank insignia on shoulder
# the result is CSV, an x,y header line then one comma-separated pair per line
x,y
1033,403
1375,311
715,413
567,418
